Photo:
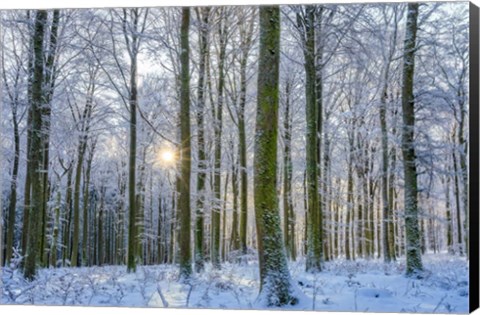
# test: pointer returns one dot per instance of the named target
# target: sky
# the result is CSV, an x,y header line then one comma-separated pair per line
x,y
57,310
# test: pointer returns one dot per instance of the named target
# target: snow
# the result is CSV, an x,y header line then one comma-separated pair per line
x,y
362,285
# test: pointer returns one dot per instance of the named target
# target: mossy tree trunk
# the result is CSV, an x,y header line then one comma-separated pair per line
x,y
413,237
275,282
306,25
33,239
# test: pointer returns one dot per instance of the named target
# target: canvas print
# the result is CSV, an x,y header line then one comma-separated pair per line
x,y
298,157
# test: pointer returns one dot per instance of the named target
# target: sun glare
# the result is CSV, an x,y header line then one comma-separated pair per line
x,y
166,157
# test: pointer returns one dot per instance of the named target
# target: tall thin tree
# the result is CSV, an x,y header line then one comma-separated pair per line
x,y
275,283
413,237
185,147
33,243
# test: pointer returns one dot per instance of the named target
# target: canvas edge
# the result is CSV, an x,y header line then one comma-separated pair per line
x,y
473,158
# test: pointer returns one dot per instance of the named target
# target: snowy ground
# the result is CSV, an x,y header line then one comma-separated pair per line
x,y
342,286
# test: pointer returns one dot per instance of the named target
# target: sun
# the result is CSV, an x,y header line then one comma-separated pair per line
x,y
166,157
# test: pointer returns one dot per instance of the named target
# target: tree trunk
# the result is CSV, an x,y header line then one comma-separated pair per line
x,y
12,205
448,214
82,145
100,238
314,231
289,214
223,234
203,17
318,57
386,211
133,103
218,125
234,237
242,140
86,259
53,247
67,216
414,259
36,146
456,186
185,160
275,283
392,194
28,172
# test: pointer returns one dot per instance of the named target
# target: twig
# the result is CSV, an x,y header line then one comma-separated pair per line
x,y
439,303
164,301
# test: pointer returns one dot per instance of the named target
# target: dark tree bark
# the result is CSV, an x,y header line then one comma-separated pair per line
x,y
275,283
49,86
288,211
12,203
131,30
28,184
33,243
306,25
185,155
414,259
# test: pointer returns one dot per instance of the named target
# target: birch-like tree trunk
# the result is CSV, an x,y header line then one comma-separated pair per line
x,y
203,18
218,127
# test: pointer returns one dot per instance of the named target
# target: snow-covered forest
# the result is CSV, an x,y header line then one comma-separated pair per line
x,y
303,157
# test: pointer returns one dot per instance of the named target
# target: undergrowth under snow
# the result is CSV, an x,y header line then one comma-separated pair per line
x,y
363,285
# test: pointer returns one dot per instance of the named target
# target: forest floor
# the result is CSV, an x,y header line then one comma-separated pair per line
x,y
362,285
